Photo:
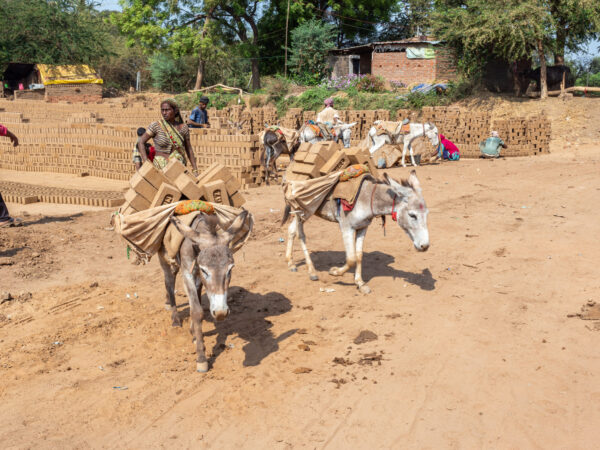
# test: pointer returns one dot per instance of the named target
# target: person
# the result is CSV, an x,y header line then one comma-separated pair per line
x,y
5,219
171,138
490,148
448,150
199,116
327,118
137,157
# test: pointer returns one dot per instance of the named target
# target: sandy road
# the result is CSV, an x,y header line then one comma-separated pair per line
x,y
474,348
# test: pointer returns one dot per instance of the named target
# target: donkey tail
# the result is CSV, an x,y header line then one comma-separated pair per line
x,y
286,214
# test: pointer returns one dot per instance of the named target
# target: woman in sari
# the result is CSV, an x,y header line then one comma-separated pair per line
x,y
171,138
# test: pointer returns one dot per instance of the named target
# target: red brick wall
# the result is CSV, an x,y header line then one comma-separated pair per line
x,y
86,92
397,67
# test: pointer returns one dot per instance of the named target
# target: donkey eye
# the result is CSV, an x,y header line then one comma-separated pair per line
x,y
205,272
413,216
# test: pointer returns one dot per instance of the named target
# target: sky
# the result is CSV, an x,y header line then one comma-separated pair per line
x,y
112,5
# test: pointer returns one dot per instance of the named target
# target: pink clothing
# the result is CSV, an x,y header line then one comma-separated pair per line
x,y
3,130
449,145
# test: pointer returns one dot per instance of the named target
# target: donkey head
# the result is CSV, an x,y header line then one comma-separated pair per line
x,y
344,130
411,210
213,258
432,133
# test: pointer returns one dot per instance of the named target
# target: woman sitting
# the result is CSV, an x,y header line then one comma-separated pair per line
x,y
171,138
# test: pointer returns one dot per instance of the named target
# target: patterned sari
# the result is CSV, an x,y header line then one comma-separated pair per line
x,y
177,146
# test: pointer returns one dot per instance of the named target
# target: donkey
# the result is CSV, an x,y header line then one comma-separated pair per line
x,y
417,130
342,130
236,127
275,145
404,201
205,259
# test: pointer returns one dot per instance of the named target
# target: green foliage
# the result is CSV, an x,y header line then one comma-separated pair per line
x,y
51,32
310,43
170,74
589,80
276,89
310,100
219,100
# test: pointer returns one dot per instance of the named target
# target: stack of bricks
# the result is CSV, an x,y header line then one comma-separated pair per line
x,y
151,187
322,158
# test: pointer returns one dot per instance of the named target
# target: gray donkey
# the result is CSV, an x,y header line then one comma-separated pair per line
x,y
205,259
404,201
275,145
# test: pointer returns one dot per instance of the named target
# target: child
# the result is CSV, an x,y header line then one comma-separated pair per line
x,y
137,158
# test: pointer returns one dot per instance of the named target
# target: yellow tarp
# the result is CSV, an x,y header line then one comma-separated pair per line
x,y
76,74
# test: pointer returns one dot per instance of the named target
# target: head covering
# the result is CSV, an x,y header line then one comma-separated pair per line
x,y
329,102
204,99
495,134
141,131
173,104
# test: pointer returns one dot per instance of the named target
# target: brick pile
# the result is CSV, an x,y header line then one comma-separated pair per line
x,y
30,193
151,187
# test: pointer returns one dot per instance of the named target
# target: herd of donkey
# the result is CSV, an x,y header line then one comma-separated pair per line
x,y
205,256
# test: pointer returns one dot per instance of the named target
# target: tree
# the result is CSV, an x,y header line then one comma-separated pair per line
x,y
310,43
480,30
57,32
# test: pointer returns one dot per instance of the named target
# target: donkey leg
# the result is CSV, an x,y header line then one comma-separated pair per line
x,y
404,149
289,252
349,237
358,280
196,316
311,268
267,164
170,272
412,157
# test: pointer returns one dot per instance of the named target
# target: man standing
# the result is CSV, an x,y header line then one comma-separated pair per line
x,y
5,219
199,116
490,148
327,118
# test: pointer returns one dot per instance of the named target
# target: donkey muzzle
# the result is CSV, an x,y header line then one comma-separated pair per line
x,y
218,306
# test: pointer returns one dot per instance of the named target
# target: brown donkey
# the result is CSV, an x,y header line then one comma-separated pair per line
x,y
404,201
205,259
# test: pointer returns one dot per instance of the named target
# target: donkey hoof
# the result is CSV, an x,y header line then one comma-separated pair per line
x,y
314,278
335,271
293,269
202,367
176,323
365,289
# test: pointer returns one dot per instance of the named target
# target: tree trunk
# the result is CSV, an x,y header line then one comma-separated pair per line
x,y
561,41
200,73
543,77
255,74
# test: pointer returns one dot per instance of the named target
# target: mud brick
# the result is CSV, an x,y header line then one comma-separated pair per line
x,y
305,169
126,209
142,187
216,192
220,172
188,187
237,199
325,149
357,155
152,175
315,159
136,201
173,170
27,199
338,161
300,156
304,147
165,195
290,176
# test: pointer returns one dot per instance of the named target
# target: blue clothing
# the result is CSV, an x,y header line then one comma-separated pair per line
x,y
199,116
491,147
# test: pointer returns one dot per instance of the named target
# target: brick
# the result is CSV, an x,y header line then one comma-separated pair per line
x,y
136,201
237,199
142,187
166,194
216,192
188,187
338,161
152,175
173,170
305,169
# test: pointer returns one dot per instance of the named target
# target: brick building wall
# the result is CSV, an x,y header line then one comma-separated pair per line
x,y
339,64
395,66
86,92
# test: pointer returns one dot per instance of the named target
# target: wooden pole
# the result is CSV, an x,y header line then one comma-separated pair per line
x,y
287,19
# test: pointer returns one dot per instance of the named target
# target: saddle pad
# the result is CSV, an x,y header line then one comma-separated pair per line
x,y
353,171
390,128
350,189
173,238
316,130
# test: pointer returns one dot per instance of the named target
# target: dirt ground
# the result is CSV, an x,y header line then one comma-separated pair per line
x,y
465,346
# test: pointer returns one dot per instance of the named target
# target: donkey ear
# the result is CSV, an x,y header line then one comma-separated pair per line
x,y
414,181
401,190
235,226
185,230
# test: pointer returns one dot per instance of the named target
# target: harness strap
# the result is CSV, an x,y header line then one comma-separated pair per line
x,y
394,213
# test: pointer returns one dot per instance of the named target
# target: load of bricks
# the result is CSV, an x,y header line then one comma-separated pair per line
x,y
323,158
151,187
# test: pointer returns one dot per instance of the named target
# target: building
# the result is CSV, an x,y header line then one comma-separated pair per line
x,y
77,83
410,61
